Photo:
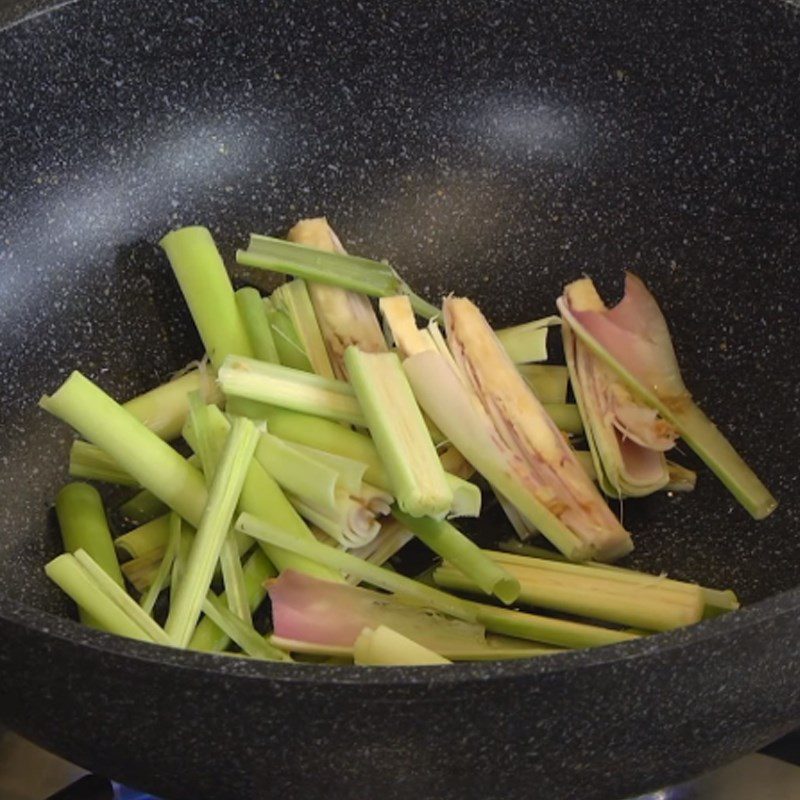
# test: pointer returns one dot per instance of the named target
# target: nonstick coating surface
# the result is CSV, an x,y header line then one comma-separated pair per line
x,y
496,150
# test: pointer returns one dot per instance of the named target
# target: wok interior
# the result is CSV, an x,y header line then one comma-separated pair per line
x,y
520,162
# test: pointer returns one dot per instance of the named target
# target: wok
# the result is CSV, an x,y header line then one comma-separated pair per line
x,y
497,149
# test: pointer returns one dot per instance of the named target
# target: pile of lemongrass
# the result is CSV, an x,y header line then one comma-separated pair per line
x,y
323,440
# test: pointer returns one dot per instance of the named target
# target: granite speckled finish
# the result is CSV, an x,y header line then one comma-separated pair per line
x,y
477,146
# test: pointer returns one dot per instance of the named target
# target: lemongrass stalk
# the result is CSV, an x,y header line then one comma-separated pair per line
x,y
681,479
223,497
344,562
399,433
450,544
290,388
145,538
163,410
350,473
83,524
121,598
257,569
181,560
242,407
527,342
143,507
240,632
566,417
141,571
254,318
453,462
294,299
361,275
137,450
522,527
384,647
391,538
207,289
73,579
349,522
547,381
91,463
161,579
466,497
287,342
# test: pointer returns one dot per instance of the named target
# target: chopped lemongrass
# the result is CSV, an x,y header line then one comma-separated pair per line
x,y
141,571
351,473
372,278
92,463
223,497
644,360
207,289
73,579
145,538
451,545
466,497
527,342
287,342
290,388
164,572
121,598
143,507
348,521
547,381
391,538
137,450
454,463
384,647
340,560
240,632
566,417
680,479
163,410
294,299
399,433
181,560
399,317
254,318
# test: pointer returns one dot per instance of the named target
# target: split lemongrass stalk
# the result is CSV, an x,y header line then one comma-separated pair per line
x,y
162,577
143,507
453,462
547,381
633,340
349,472
399,433
345,317
207,289
290,388
137,450
181,560
391,538
466,497
217,517
287,343
452,546
585,592
143,539
293,298
680,479
566,417
141,571
522,527
92,463
384,647
527,342
372,278
254,318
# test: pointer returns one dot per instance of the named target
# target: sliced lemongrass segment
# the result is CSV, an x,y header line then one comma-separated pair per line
x,y
145,538
648,350
216,520
73,579
143,507
92,463
527,342
349,522
454,463
162,577
399,433
399,317
287,342
350,473
384,647
344,562
290,388
522,527
137,450
254,318
466,497
207,289
547,381
392,537
450,544
141,571
372,278
566,417
681,479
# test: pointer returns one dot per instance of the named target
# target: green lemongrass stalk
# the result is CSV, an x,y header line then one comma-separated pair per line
x,y
348,521
527,342
240,632
216,520
257,569
399,433
450,544
287,342
294,299
566,417
290,388
73,579
547,381
453,461
391,538
141,571
181,560
254,318
143,507
344,562
90,462
83,524
697,430
466,497
350,473
145,538
590,593
384,647
207,289
163,410
681,479
242,407
137,450
121,598
361,275
162,577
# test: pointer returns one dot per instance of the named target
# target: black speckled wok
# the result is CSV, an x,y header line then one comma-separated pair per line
x,y
498,149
